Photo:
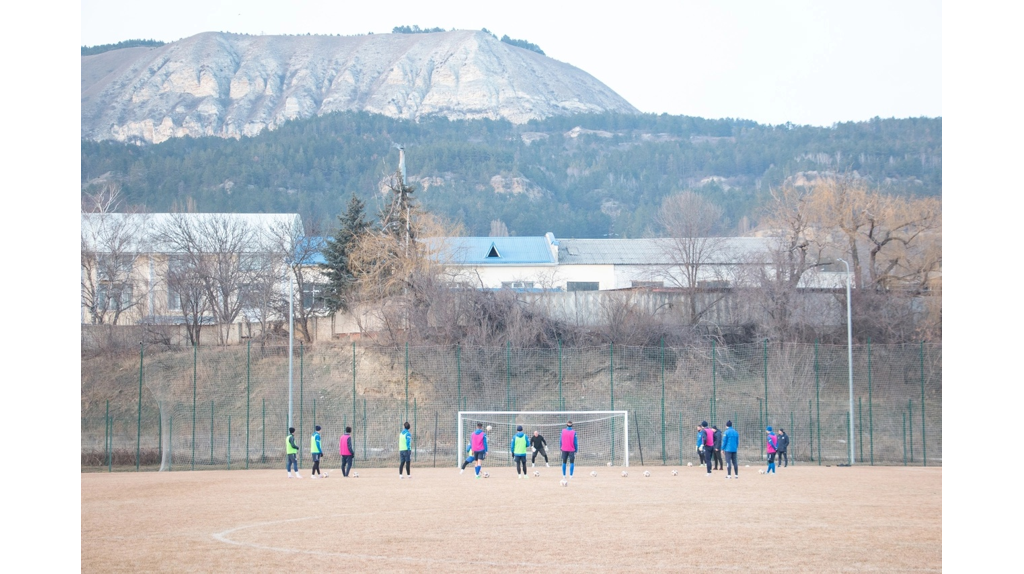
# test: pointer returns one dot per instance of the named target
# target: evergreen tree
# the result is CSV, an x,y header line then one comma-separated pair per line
x,y
340,278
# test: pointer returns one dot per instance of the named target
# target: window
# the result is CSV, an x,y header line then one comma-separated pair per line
x,y
493,253
111,296
647,284
313,295
517,284
581,285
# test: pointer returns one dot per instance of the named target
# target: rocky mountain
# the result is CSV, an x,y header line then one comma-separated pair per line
x,y
232,85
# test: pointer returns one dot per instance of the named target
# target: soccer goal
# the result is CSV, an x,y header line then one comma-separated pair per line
x,y
602,436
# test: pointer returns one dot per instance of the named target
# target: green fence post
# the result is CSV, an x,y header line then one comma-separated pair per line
x,y
170,443
924,443
195,352
817,398
138,431
508,375
680,439
714,388
364,428
248,345
301,357
561,402
910,427
904,438
792,427
211,433
871,420
314,412
810,426
106,435
860,427
760,416
353,383
229,442
458,376
415,416
765,381
611,391
664,456
263,448
848,437
407,381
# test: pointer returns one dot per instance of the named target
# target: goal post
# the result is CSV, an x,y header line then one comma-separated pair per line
x,y
603,436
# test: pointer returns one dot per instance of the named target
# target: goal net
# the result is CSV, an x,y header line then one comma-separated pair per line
x,y
602,436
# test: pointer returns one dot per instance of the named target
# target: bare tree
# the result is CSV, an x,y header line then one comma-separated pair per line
x,y
112,243
224,252
186,294
796,248
300,249
690,222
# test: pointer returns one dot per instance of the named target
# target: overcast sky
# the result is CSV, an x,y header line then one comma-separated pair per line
x,y
795,61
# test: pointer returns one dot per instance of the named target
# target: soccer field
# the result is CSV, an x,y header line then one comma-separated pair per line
x,y
803,519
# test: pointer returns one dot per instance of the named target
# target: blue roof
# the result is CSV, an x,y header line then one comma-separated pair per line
x,y
313,248
499,250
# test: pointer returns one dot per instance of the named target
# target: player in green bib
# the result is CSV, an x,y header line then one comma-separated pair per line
x,y
518,447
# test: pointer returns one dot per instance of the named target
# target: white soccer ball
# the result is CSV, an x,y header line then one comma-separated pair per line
x,y
675,473
624,473
355,475
488,428
536,473
564,482
326,475
760,471
647,473
748,466
609,464
593,473
487,475
689,464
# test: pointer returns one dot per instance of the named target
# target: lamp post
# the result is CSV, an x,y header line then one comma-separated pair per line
x,y
849,350
291,338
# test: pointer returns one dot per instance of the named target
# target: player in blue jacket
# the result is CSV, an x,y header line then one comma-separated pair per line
x,y
730,444
404,451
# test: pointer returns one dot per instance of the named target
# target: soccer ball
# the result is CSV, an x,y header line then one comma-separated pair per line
x,y
326,475
675,473
748,466
647,473
609,464
624,473
689,464
536,473
487,475
760,471
355,475
593,473
488,428
564,482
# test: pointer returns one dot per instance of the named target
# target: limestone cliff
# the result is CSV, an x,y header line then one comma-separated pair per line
x,y
231,85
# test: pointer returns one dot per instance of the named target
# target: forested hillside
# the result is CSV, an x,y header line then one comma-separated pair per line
x,y
606,178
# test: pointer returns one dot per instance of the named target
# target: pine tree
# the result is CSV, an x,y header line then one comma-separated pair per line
x,y
340,278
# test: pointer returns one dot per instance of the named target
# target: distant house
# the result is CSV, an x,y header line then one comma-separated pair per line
x,y
155,268
550,264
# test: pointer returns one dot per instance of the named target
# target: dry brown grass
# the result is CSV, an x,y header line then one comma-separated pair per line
x,y
804,519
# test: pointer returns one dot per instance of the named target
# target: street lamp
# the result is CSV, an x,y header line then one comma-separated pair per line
x,y
849,350
291,337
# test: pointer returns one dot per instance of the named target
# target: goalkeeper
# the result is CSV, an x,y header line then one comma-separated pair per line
x,y
538,443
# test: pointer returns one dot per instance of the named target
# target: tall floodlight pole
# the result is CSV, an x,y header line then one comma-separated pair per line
x,y
291,340
849,350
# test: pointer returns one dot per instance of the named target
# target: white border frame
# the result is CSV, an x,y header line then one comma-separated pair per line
x,y
625,431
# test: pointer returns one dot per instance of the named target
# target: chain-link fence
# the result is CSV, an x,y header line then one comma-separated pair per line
x,y
228,407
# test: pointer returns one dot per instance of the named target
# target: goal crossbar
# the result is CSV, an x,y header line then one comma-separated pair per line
x,y
478,415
